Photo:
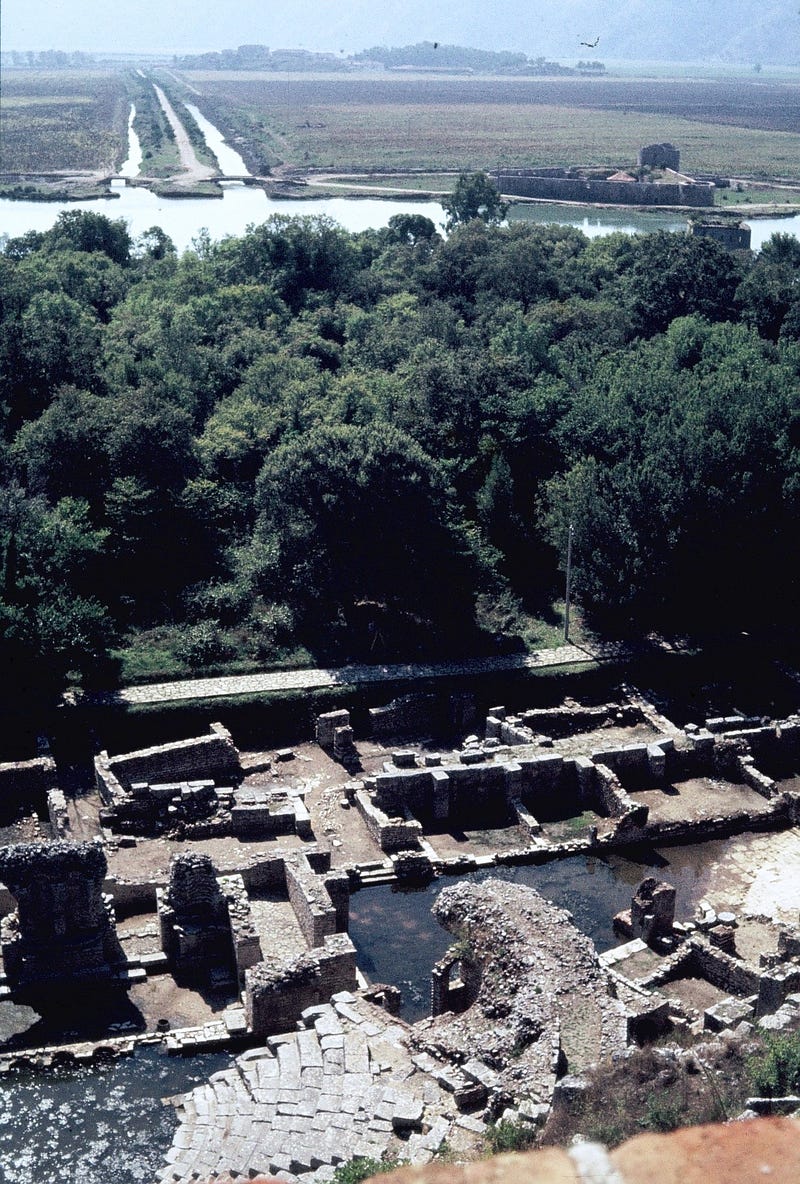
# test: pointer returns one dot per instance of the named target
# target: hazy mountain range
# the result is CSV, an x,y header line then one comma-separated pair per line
x,y
727,31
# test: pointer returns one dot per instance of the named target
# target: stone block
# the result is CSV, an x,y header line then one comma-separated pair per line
x,y
327,724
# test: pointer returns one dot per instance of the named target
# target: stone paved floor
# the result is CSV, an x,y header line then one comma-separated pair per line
x,y
285,680
347,1085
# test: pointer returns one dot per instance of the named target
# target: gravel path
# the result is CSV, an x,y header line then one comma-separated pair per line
x,y
306,680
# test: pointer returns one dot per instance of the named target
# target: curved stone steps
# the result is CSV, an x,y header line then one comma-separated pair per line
x,y
343,1086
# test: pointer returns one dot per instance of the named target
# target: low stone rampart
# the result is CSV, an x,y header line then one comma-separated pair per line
x,y
312,905
410,715
729,974
57,813
391,832
558,722
244,935
639,764
26,783
616,801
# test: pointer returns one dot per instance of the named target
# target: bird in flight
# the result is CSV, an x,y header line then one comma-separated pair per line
x,y
591,44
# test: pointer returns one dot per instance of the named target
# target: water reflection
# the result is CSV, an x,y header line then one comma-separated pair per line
x,y
240,206
132,166
183,218
398,940
230,162
105,1123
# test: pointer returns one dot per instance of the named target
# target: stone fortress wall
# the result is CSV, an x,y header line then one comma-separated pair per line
x,y
589,185
580,189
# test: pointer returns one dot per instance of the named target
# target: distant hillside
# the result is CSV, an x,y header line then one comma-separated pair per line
x,y
740,31
743,32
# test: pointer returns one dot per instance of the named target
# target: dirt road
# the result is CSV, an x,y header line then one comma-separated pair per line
x,y
193,169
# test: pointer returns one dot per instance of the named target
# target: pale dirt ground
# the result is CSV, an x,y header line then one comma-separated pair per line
x,y
698,798
604,738
694,992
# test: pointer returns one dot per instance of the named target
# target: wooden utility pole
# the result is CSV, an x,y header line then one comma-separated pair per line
x,y
570,533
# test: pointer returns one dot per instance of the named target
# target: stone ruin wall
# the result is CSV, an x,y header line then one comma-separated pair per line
x,y
209,756
409,715
24,781
312,905
276,996
63,929
26,785
414,789
446,993
558,722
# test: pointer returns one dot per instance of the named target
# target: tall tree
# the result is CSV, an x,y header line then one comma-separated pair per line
x,y
474,195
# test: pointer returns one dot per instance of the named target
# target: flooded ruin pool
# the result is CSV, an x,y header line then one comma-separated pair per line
x,y
398,940
100,1124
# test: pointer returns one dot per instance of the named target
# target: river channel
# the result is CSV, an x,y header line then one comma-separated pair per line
x,y
243,205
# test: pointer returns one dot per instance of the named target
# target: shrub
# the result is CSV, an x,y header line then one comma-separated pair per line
x,y
356,1170
202,645
775,1071
509,1136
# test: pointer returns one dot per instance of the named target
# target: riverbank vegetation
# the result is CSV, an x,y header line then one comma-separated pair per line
x,y
160,156
370,446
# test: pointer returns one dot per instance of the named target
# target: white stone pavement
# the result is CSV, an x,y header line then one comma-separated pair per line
x,y
347,1085
314,679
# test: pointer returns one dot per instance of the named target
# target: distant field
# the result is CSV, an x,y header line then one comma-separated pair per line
x,y
756,197
435,124
62,120
435,182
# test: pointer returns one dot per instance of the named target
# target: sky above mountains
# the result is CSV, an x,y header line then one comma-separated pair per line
x,y
745,31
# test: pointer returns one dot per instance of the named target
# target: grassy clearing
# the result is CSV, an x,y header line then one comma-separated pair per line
x,y
355,125
756,197
70,120
427,182
170,652
166,653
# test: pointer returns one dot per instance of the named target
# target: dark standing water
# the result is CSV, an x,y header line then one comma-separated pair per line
x,y
95,1125
398,940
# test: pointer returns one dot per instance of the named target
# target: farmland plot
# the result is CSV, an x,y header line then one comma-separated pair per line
x,y
63,121
736,129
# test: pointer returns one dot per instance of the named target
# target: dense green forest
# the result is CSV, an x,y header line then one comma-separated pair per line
x,y
305,442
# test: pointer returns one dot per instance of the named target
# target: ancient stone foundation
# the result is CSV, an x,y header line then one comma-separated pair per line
x,y
192,789
63,929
